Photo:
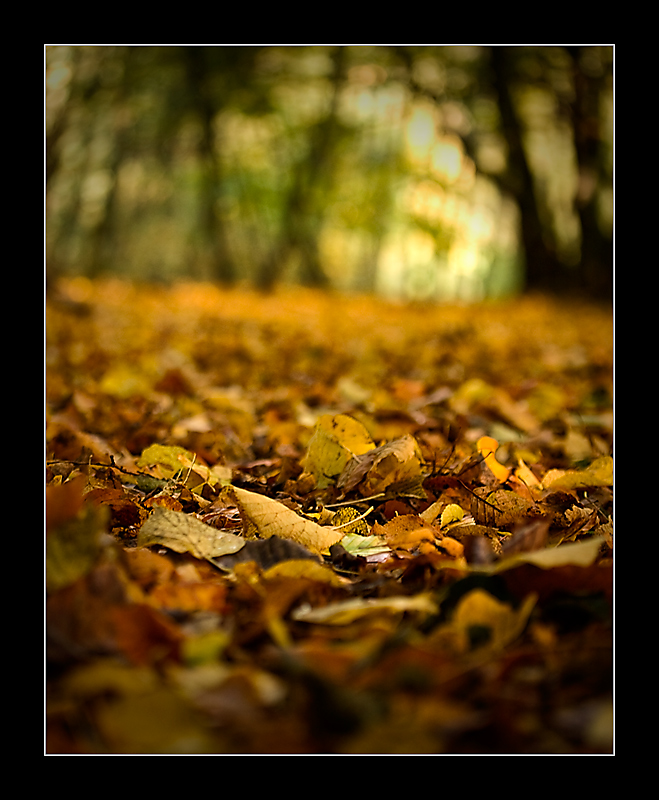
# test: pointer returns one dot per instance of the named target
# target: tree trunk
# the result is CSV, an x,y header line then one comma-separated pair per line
x,y
302,214
543,271
211,225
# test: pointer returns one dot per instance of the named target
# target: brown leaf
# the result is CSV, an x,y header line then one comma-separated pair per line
x,y
266,553
394,466
527,536
410,532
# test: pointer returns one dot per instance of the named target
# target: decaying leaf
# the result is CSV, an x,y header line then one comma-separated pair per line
x,y
393,467
186,534
501,507
271,518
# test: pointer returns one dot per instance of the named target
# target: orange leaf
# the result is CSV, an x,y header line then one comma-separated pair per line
x,y
487,447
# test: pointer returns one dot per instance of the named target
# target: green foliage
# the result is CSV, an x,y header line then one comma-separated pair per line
x,y
374,167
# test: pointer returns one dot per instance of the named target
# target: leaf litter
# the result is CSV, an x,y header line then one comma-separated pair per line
x,y
305,523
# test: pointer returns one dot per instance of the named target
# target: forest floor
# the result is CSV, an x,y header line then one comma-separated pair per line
x,y
306,523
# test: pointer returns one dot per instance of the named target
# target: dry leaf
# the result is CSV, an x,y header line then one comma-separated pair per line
x,y
186,534
478,610
579,554
271,518
487,447
599,473
266,553
410,532
394,466
335,441
346,611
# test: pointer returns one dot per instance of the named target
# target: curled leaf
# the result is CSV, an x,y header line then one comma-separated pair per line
x,y
394,466
487,447
452,513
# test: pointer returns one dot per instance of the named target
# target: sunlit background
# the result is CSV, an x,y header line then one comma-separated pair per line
x,y
425,172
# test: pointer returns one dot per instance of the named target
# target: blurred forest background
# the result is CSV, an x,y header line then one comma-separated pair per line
x,y
426,172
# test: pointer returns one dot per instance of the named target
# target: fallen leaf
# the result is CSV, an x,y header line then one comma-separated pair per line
x,y
308,569
271,518
393,467
599,473
174,462
266,553
335,441
481,620
411,533
452,513
364,546
184,533
345,612
64,501
501,507
579,554
74,547
487,447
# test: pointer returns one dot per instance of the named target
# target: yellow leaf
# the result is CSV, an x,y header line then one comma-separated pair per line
x,y
599,473
304,568
452,513
335,440
579,554
479,609
487,447
271,518
186,534
170,459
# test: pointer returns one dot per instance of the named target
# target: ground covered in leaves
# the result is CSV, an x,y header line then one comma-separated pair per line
x,y
305,523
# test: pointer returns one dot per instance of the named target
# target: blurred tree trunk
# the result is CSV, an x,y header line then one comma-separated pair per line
x,y
593,274
211,223
542,268
304,208
596,247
